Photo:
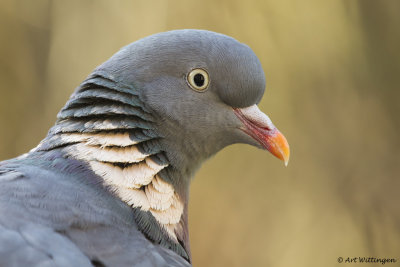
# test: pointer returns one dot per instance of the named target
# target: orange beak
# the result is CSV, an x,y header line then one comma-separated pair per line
x,y
259,126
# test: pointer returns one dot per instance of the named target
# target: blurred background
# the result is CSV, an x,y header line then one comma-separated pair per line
x,y
333,88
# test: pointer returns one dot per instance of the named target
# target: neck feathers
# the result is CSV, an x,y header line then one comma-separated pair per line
x,y
106,125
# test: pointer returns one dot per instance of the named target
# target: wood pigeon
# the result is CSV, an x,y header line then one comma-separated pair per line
x,y
109,184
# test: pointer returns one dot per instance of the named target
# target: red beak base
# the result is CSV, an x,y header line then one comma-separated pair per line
x,y
259,126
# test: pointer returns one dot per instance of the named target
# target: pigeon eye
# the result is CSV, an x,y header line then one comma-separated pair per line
x,y
198,80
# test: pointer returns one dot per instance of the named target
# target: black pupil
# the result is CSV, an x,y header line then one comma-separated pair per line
x,y
198,79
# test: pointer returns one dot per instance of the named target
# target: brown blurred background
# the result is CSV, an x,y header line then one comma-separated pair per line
x,y
333,88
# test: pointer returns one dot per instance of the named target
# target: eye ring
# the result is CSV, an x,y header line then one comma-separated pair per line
x,y
198,79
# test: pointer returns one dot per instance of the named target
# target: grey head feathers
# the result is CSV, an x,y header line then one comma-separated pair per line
x,y
196,124
236,74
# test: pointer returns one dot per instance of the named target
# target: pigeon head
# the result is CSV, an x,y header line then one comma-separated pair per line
x,y
203,87
146,119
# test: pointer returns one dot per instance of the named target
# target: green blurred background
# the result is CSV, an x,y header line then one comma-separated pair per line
x,y
333,81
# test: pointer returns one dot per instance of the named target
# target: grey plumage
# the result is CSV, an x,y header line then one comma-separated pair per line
x,y
54,212
108,186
